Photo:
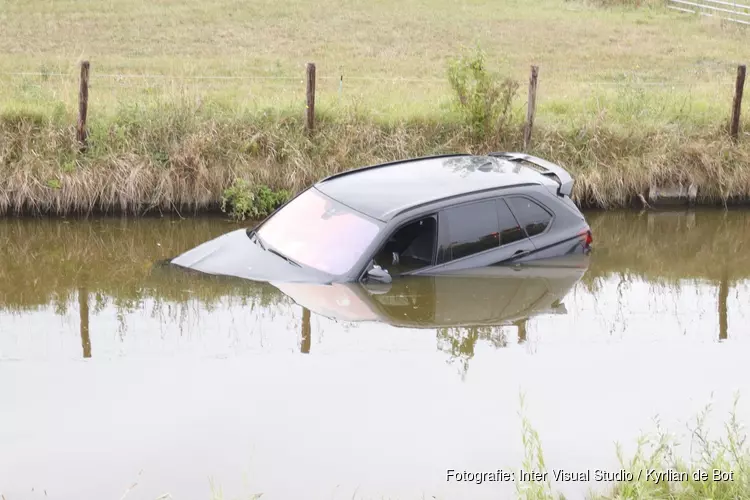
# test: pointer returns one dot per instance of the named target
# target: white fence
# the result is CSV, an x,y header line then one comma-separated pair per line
x,y
725,9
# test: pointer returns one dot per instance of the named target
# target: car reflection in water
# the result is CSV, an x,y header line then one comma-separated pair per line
x,y
463,307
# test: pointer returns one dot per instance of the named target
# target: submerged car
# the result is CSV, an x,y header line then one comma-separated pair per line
x,y
423,216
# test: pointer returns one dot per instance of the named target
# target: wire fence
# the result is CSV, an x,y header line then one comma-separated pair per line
x,y
226,77
43,86
624,80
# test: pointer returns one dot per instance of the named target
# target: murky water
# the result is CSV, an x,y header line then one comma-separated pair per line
x,y
114,372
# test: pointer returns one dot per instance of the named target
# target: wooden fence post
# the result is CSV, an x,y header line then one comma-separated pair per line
x,y
83,105
310,109
734,129
531,109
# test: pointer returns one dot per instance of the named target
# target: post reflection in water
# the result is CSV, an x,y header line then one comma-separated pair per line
x,y
521,326
723,295
83,312
306,337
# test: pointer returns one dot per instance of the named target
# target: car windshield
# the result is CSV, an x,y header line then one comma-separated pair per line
x,y
318,232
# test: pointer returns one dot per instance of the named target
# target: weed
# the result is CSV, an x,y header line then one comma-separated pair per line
x,y
533,461
68,166
659,451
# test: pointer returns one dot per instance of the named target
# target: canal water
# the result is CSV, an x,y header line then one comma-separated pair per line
x,y
122,378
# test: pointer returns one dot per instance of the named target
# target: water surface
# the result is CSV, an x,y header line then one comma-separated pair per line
x,y
114,372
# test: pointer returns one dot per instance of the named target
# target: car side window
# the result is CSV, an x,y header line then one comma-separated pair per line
x,y
510,231
410,248
471,228
533,218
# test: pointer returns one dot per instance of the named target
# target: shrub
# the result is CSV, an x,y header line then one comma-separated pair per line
x,y
251,202
483,99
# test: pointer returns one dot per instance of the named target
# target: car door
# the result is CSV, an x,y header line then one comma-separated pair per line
x,y
478,234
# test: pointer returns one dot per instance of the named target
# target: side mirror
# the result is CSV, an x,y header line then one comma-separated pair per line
x,y
378,274
375,288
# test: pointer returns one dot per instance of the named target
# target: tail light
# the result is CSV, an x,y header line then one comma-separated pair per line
x,y
587,238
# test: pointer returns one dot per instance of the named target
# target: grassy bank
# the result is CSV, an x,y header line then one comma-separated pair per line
x,y
183,103
182,159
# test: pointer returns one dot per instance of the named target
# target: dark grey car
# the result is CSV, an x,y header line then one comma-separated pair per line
x,y
428,216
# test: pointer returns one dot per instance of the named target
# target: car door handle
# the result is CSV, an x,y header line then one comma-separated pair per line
x,y
519,252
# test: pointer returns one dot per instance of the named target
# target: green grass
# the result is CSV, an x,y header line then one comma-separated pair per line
x,y
577,45
177,136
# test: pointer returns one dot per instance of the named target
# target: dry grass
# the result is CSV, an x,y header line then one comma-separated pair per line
x,y
179,158
175,144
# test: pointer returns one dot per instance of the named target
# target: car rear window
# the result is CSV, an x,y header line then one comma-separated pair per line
x,y
533,218
510,231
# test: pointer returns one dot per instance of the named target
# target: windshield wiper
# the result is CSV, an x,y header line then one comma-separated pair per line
x,y
254,236
276,252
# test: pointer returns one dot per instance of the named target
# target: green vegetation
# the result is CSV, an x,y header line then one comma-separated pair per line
x,y
660,451
251,203
482,98
533,461
630,93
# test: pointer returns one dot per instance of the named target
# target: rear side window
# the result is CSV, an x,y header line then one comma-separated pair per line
x,y
532,217
471,228
510,231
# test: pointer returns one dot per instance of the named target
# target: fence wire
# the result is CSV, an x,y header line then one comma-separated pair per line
x,y
343,79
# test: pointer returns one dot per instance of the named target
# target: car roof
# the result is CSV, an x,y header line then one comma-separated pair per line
x,y
384,191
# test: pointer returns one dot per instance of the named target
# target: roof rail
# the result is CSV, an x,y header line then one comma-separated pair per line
x,y
390,163
549,169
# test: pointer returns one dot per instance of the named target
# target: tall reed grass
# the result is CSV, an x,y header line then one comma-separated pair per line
x,y
181,158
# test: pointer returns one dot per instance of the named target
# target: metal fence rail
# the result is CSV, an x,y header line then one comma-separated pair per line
x,y
724,9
